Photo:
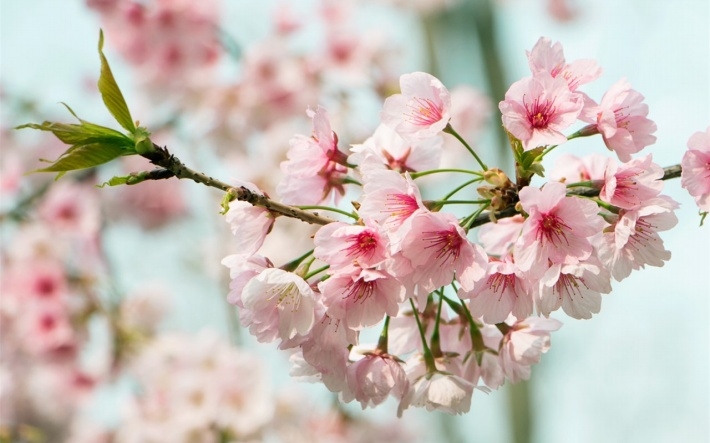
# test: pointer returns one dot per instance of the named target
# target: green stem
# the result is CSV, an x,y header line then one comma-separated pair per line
x,y
428,357
416,175
317,271
586,184
293,264
382,342
476,337
458,188
435,337
450,130
328,208
469,221
545,152
352,181
461,202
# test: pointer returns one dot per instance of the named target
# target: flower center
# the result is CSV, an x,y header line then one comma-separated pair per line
x,y
423,112
539,112
446,243
364,243
553,229
359,290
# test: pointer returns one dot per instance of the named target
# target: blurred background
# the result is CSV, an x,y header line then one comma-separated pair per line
x,y
129,280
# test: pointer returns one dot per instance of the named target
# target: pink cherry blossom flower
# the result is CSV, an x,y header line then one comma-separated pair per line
x,y
631,184
498,238
546,57
325,350
343,246
282,305
557,229
374,376
71,208
537,109
390,199
439,251
314,169
243,268
524,344
621,119
169,36
188,391
46,329
577,288
572,169
439,391
250,224
632,241
362,299
386,149
422,110
502,291
695,177
35,282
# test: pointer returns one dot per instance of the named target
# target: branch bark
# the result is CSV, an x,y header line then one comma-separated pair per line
x,y
173,167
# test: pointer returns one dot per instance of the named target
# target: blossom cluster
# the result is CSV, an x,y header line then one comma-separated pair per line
x,y
455,314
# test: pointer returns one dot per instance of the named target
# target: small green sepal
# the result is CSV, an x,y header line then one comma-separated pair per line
x,y
143,143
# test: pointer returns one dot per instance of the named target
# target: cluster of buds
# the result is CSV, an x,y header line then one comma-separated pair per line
x,y
455,314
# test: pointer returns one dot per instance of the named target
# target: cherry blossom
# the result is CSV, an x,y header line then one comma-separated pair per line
x,y
502,291
572,169
362,299
387,149
342,246
577,288
537,109
524,345
375,375
546,57
632,240
281,304
631,184
621,119
557,229
325,353
390,199
243,268
439,391
499,238
695,177
314,170
422,110
250,224
438,249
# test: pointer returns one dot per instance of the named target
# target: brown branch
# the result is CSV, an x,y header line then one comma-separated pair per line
x,y
173,167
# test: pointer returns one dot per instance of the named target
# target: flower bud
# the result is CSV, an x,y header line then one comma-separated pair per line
x,y
496,177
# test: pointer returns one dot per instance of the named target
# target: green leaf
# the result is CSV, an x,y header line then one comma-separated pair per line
x,y
72,134
111,94
84,156
132,179
114,181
